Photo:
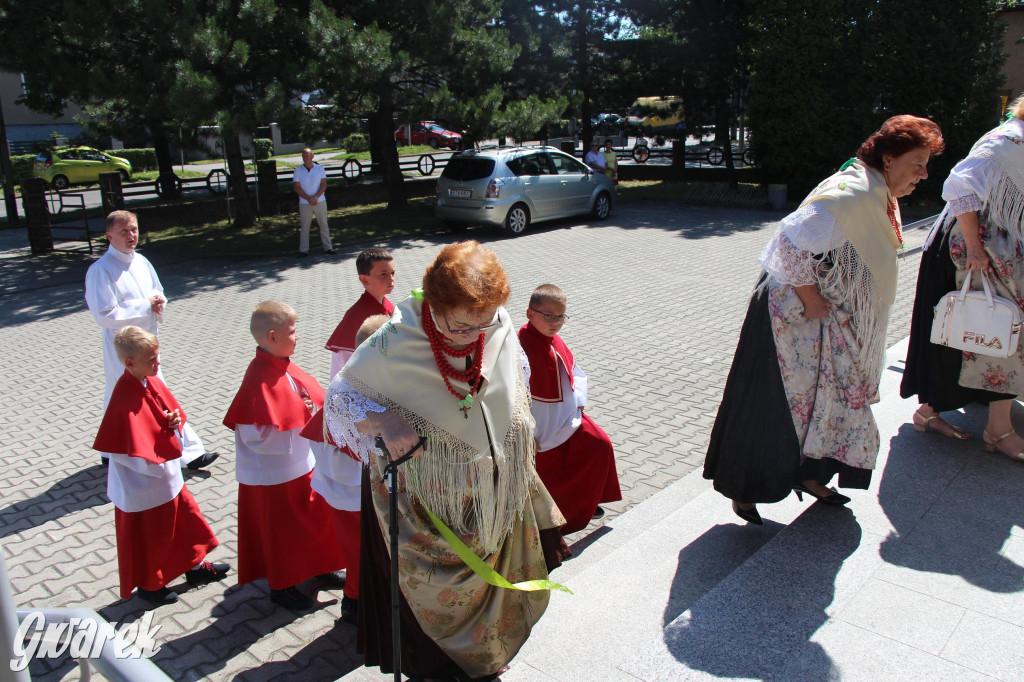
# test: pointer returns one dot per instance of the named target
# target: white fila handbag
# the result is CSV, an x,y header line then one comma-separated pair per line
x,y
977,321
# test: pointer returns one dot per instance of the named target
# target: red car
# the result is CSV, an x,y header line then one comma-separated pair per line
x,y
429,133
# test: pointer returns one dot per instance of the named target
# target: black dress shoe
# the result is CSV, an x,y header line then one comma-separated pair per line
x,y
330,252
349,609
836,499
598,514
748,515
303,254
291,598
159,597
202,461
332,581
206,573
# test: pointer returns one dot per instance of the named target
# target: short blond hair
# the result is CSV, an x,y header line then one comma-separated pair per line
x,y
369,326
545,293
131,340
270,315
119,216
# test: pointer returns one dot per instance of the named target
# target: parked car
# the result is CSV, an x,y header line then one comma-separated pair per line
x,y
513,187
65,166
430,133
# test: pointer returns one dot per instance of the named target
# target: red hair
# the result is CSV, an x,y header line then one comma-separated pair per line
x,y
899,135
465,275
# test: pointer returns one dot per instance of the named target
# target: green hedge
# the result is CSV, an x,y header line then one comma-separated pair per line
x,y
264,148
140,159
21,166
356,143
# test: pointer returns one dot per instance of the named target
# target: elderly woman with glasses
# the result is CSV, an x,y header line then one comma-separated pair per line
x,y
447,368
797,405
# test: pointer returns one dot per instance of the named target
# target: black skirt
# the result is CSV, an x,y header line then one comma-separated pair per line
x,y
932,372
754,453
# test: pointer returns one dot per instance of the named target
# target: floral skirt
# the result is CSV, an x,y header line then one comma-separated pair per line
x,y
984,372
793,415
452,623
932,372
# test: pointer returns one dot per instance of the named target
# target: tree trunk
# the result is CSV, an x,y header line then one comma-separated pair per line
x,y
722,137
375,141
245,216
164,162
393,180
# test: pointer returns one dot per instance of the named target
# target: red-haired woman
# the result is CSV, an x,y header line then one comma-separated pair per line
x,y
447,366
796,408
981,229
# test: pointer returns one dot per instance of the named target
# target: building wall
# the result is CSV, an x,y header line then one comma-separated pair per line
x,y
23,123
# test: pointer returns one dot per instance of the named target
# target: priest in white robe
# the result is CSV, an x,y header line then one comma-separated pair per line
x,y
122,288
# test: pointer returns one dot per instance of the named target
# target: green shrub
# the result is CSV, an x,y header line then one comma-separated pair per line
x,y
140,159
21,166
356,143
264,148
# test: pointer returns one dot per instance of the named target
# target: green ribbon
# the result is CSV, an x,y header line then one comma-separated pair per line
x,y
489,575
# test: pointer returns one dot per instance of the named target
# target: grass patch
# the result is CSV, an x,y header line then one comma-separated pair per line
x,y
279,234
416,150
150,176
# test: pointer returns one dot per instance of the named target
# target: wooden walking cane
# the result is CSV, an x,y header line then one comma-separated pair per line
x,y
391,477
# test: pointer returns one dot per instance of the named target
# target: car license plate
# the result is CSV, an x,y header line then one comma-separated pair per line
x,y
460,193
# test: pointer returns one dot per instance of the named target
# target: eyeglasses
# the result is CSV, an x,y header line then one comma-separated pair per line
x,y
467,331
553,319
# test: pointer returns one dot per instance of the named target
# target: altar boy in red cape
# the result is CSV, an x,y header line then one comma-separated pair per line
x,y
283,529
376,269
575,459
161,533
338,479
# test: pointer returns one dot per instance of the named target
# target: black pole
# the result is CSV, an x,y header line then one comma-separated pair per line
x,y
391,477
396,625
7,173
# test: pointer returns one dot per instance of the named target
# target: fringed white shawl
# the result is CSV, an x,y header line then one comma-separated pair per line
x,y
1003,202
476,473
863,272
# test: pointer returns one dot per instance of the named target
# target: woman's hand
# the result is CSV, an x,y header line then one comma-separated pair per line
x,y
816,306
977,258
398,436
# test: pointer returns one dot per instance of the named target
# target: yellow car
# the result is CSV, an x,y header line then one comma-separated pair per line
x,y
66,166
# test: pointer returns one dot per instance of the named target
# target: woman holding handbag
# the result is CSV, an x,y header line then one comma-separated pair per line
x,y
796,408
980,231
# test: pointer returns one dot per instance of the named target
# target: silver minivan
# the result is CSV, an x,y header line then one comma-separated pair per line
x,y
512,187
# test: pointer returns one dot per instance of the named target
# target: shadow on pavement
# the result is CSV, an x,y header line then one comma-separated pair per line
x,y
81,490
954,507
757,623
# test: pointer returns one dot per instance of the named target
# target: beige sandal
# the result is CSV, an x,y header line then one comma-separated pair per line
x,y
992,445
923,423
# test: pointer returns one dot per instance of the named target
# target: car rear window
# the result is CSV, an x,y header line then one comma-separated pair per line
x,y
468,168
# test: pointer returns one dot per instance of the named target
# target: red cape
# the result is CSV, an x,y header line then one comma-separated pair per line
x,y
314,431
134,423
266,398
344,336
544,353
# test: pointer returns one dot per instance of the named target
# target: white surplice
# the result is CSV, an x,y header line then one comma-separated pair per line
x,y
118,287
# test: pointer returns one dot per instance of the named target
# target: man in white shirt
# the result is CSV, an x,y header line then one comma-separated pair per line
x,y
595,159
310,182
121,288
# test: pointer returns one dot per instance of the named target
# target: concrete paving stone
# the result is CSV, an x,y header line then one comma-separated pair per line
x,y
989,645
903,615
958,581
841,651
